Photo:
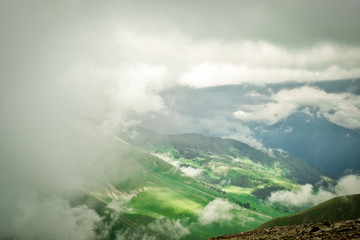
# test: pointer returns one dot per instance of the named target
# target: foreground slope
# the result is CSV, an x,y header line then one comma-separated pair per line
x,y
349,229
332,219
336,209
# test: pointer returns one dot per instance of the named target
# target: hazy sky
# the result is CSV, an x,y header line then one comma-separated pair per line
x,y
200,65
113,59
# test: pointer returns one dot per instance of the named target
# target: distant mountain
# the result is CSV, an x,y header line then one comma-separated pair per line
x,y
336,209
322,144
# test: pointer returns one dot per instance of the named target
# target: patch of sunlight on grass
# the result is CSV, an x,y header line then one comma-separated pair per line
x,y
165,201
284,182
237,190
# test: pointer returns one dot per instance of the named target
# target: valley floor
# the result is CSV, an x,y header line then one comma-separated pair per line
x,y
349,229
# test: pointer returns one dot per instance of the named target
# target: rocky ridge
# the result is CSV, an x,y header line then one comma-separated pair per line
x,y
349,229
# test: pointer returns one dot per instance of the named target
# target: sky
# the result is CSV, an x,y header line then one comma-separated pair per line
x,y
210,67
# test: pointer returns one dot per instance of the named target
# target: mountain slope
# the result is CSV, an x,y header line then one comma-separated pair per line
x,y
336,209
317,141
191,146
238,171
138,194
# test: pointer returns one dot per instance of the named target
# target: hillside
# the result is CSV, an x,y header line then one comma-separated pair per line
x,y
333,219
143,195
231,167
348,229
315,140
192,146
336,209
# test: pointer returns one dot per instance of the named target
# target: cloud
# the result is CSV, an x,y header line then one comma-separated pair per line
x,y
307,196
348,185
280,22
340,108
247,136
227,128
159,229
188,171
218,63
301,197
191,172
51,218
217,210
167,159
170,229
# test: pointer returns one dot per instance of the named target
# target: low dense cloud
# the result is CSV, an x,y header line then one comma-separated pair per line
x,y
159,229
342,109
212,63
217,210
304,196
52,218
221,210
348,185
187,171
307,196
171,229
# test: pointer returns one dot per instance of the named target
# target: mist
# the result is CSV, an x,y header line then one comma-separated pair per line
x,y
306,194
54,127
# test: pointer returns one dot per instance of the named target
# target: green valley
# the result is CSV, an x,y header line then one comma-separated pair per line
x,y
147,196
186,186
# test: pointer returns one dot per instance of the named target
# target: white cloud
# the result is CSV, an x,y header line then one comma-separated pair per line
x,y
50,219
171,229
342,109
300,197
160,228
348,185
190,171
247,137
122,80
167,159
261,63
216,211
306,196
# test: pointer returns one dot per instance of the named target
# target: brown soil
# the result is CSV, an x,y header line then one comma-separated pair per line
x,y
349,229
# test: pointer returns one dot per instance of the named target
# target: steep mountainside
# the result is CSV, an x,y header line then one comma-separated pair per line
x,y
246,175
191,146
142,195
322,144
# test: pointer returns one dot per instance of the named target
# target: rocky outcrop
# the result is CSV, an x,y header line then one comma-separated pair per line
x,y
349,229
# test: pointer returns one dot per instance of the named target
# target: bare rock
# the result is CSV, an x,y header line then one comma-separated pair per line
x,y
314,229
